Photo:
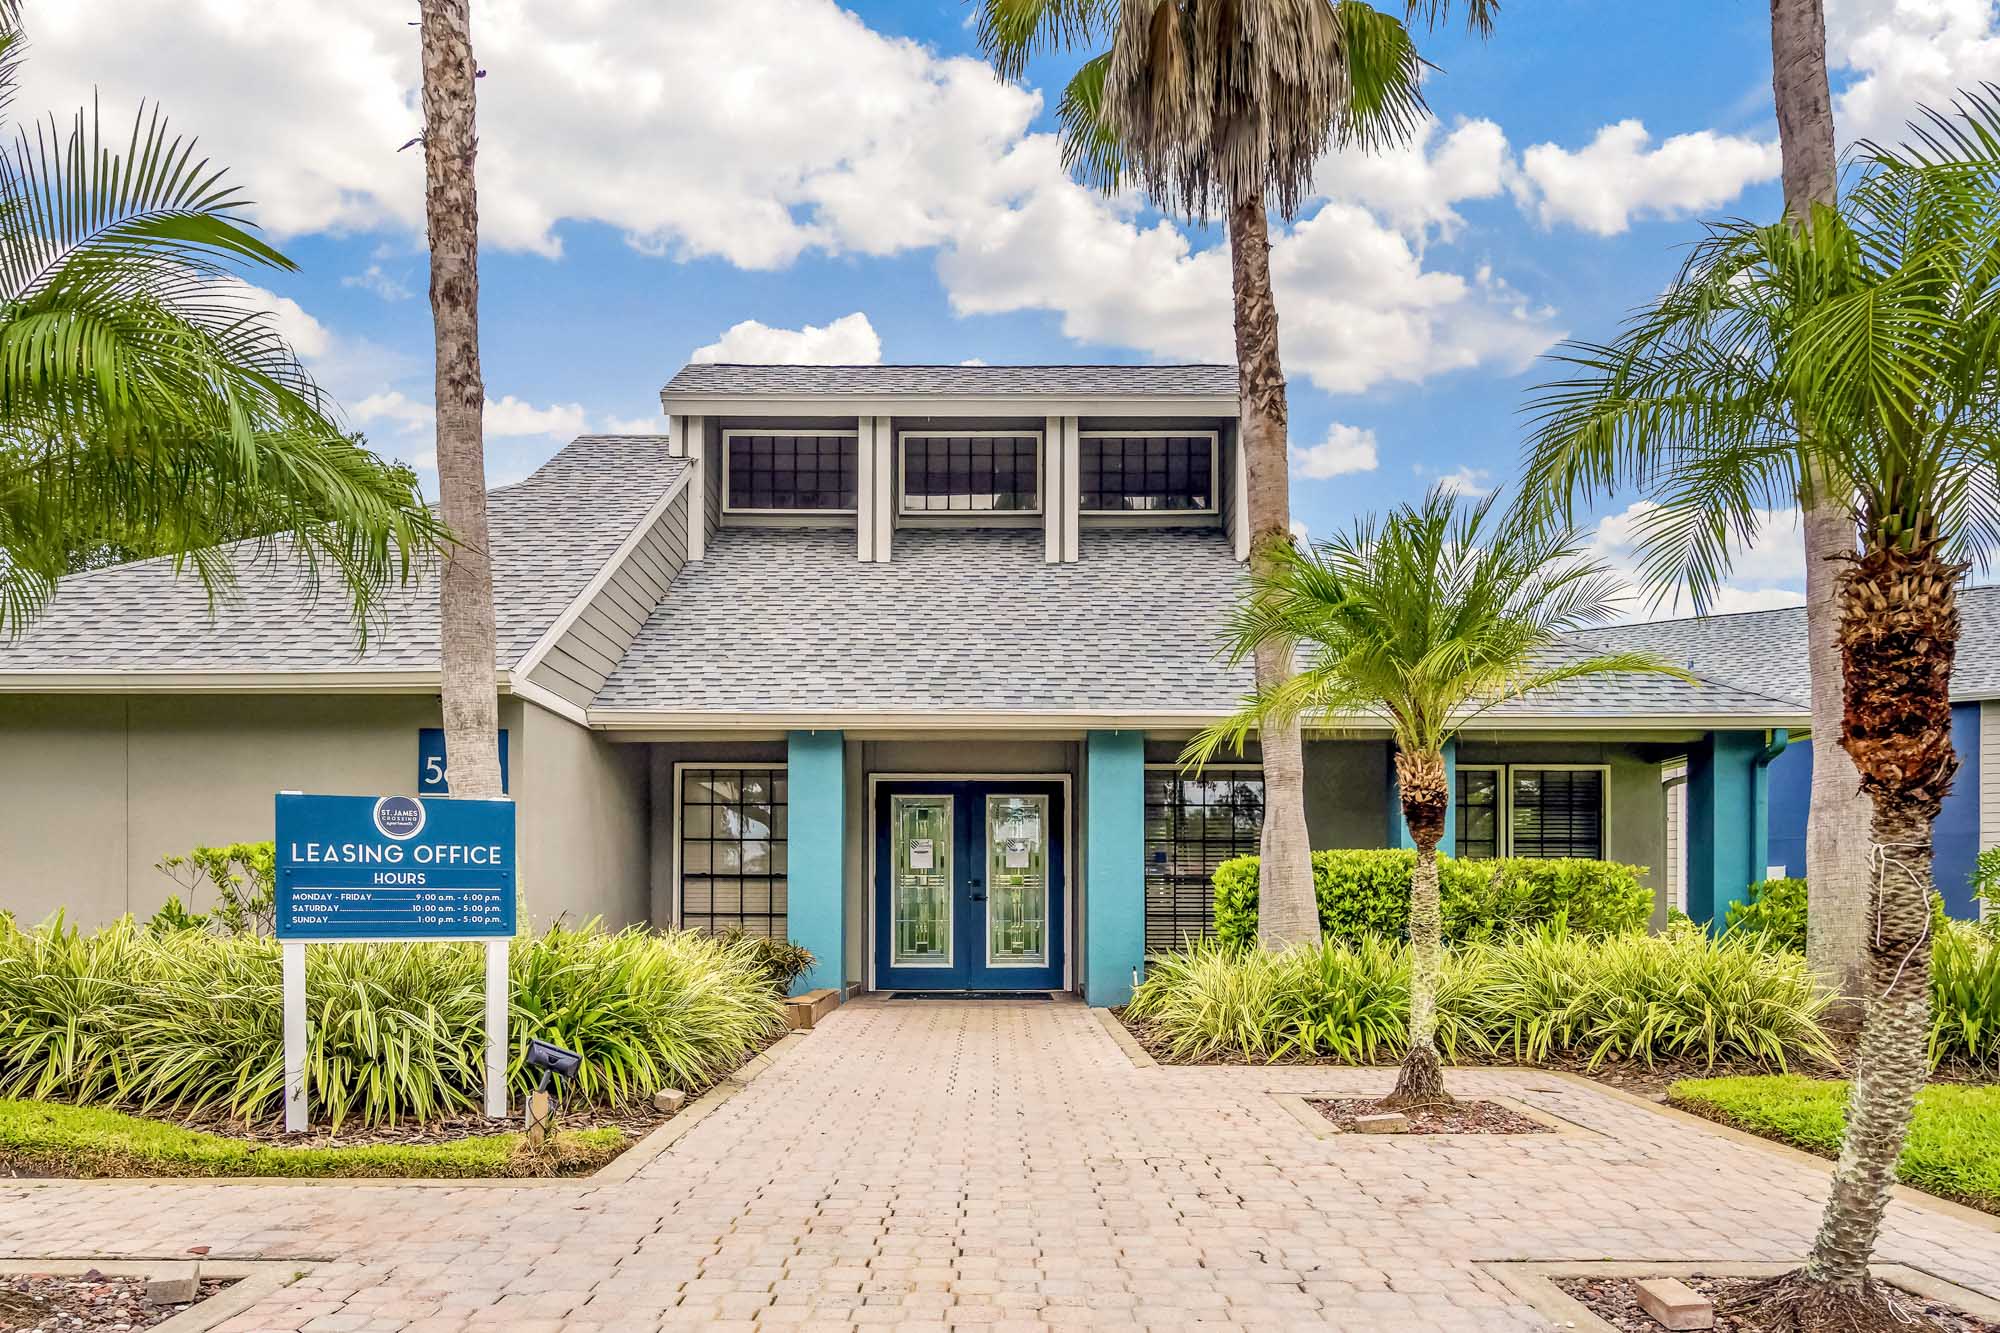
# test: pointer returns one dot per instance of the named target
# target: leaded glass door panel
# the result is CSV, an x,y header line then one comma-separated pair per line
x,y
968,891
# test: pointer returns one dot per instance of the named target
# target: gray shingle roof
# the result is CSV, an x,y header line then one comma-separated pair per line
x,y
788,621
550,534
1765,651
977,381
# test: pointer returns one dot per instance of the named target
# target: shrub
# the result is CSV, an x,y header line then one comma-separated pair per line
x,y
192,1021
782,960
1965,997
244,876
1775,910
1546,995
1367,892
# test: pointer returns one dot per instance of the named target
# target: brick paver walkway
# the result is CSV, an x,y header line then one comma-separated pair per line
x,y
914,1164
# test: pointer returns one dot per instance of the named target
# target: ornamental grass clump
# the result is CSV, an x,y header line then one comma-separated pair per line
x,y
1965,997
191,1023
1544,996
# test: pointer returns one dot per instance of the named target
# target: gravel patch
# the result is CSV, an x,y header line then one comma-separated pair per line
x,y
1458,1117
37,1303
1616,1301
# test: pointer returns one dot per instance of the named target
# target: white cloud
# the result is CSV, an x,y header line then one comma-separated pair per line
x,y
376,279
1906,54
1621,176
685,127
653,425
511,416
1300,533
848,341
1345,449
392,409
1769,572
1471,482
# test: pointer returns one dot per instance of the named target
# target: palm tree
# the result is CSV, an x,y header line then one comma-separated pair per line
x,y
142,389
465,597
1426,621
1860,347
1838,816
1227,104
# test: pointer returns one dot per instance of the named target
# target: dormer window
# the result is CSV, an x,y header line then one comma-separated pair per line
x,y
789,472
972,472
1124,472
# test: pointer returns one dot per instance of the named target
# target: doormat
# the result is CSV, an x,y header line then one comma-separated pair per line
x,y
970,995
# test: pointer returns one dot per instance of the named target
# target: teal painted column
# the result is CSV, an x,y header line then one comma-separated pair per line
x,y
815,847
1399,832
1114,860
1728,822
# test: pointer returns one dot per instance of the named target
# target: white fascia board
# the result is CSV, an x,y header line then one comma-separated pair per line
x,y
523,688
220,682
605,572
948,405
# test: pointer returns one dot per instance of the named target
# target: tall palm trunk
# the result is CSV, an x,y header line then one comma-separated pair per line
x,y
1287,912
1898,634
451,206
1837,821
1420,778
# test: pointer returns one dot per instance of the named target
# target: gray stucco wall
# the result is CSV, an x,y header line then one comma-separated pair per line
x,y
95,790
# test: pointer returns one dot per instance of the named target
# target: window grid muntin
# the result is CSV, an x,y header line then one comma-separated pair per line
x,y
981,461
1473,780
752,477
715,830
1185,840
1169,466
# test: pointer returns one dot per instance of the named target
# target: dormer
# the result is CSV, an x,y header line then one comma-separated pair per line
x,y
879,449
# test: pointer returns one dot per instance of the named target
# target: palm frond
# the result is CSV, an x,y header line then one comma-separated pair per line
x,y
1013,32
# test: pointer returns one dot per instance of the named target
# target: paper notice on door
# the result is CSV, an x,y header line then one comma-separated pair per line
x,y
1017,856
920,854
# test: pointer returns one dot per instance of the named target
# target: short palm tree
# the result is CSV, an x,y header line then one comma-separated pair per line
x,y
1863,348
1228,104
143,391
1422,622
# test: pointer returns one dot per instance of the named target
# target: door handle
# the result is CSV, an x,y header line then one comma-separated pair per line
x,y
978,891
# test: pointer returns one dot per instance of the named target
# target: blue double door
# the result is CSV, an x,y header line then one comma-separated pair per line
x,y
969,884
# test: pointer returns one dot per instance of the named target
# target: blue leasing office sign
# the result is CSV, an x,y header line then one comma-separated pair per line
x,y
394,868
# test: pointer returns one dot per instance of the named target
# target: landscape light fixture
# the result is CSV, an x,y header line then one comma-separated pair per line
x,y
553,1062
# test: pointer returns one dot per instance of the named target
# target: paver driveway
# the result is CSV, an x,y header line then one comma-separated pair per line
x,y
926,1164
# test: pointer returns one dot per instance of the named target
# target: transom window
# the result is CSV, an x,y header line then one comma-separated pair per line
x,y
783,472
1146,473
972,473
1540,813
1193,825
732,850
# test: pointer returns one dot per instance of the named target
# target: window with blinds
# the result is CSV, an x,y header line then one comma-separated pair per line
x,y
1556,812
1147,474
1193,825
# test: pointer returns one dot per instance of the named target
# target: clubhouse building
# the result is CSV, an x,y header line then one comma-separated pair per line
x,y
895,661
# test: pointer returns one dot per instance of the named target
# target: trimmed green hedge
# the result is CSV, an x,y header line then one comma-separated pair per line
x,y
1950,1149
1776,909
48,1138
1367,892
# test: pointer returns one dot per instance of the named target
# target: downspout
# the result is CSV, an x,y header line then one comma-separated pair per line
x,y
1760,803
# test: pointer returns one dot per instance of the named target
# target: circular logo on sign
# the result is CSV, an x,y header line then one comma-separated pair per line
x,y
399,817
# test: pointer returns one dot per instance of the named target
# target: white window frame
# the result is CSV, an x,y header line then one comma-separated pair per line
x,y
1040,438
1214,439
747,431
761,765
1673,789
1506,802
1221,770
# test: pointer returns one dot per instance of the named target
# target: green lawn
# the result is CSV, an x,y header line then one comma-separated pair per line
x,y
1954,1143
53,1139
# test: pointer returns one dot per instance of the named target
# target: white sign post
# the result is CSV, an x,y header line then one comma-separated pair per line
x,y
364,869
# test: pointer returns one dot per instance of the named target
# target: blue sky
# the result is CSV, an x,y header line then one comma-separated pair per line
x,y
655,174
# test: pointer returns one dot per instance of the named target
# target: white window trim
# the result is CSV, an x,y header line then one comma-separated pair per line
x,y
734,433
1214,439
1505,804
761,765
1040,438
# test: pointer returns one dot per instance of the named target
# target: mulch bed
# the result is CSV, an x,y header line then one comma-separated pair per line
x,y
34,1303
1458,1117
635,1120
1615,1300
